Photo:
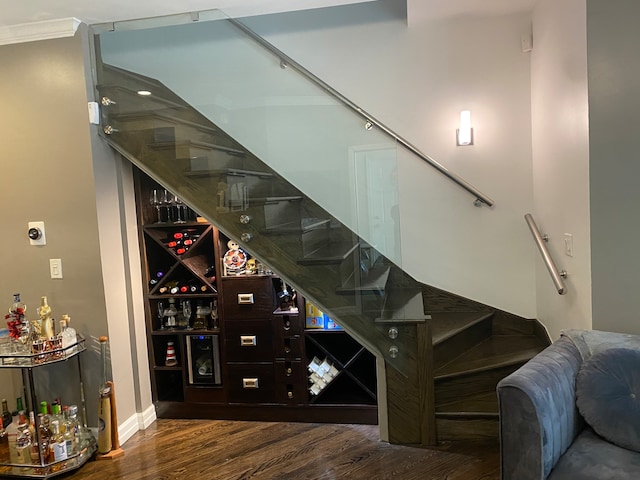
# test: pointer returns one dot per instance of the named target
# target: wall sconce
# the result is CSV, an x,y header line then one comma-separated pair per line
x,y
464,134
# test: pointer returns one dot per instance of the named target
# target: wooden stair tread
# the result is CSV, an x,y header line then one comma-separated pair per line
x,y
165,117
374,281
445,325
237,172
496,351
198,144
333,253
305,225
403,306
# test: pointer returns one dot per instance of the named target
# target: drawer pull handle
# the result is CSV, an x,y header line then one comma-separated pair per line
x,y
248,340
249,383
245,299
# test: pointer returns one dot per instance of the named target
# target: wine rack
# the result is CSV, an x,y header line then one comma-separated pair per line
x,y
255,326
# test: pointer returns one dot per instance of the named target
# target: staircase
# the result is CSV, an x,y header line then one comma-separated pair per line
x,y
441,355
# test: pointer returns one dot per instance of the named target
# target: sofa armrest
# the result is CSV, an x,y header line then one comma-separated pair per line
x,y
538,415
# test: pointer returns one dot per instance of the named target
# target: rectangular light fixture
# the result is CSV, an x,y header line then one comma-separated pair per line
x,y
464,134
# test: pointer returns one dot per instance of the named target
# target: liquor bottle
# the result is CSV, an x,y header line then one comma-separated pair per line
x,y
68,333
35,456
56,413
12,436
23,442
46,324
57,444
74,426
6,414
44,433
69,431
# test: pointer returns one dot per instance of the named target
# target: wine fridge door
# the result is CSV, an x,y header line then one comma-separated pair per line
x,y
203,359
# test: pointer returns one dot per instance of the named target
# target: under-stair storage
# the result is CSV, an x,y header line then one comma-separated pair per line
x,y
225,334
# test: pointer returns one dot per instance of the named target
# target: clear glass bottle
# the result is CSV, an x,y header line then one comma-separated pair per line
x,y
44,432
18,327
35,456
57,444
23,442
68,333
69,431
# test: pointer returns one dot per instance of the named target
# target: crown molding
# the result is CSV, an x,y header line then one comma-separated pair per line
x,y
45,30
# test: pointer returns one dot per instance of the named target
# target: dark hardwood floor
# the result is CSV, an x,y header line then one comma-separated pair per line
x,y
234,450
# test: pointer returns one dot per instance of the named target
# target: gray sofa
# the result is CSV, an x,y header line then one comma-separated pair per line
x,y
542,434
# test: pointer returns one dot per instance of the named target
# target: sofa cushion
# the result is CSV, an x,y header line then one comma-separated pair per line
x,y
591,457
608,395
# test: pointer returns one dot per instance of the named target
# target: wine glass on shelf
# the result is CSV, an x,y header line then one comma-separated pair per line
x,y
179,204
167,202
186,312
156,199
160,315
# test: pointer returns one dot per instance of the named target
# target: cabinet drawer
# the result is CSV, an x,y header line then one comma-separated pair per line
x,y
248,341
251,383
248,297
286,325
288,347
291,382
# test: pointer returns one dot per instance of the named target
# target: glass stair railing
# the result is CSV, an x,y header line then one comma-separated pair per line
x,y
279,165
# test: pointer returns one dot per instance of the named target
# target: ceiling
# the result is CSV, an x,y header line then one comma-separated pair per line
x,y
16,12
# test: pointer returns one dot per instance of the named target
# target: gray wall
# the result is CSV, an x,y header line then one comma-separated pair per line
x,y
614,102
47,175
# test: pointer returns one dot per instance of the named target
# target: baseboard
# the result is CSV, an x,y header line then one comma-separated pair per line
x,y
139,421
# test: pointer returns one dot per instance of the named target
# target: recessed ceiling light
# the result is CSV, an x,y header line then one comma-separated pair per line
x,y
144,93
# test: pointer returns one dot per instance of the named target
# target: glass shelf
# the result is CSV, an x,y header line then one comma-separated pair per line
x,y
27,360
53,469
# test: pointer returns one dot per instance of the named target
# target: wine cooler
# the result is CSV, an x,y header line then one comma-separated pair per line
x,y
203,359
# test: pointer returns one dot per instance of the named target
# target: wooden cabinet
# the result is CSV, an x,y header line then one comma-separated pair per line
x,y
249,357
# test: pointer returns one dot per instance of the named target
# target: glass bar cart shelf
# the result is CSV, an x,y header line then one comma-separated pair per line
x,y
86,441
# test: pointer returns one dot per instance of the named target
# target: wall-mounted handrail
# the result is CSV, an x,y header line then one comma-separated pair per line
x,y
286,61
556,276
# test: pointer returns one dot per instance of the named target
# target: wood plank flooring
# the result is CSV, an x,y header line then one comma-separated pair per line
x,y
235,450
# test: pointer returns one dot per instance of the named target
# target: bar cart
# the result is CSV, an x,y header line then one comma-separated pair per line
x,y
86,442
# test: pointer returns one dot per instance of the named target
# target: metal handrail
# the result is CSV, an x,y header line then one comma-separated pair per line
x,y
286,61
556,276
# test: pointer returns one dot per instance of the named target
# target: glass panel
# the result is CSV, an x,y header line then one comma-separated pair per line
x,y
290,123
278,164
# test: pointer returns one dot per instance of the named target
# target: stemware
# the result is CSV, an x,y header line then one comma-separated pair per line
x,y
156,199
180,206
186,313
160,315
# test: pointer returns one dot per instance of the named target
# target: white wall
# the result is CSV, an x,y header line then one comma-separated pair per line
x,y
560,131
416,80
614,102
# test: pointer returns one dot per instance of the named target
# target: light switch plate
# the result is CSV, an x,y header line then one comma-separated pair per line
x,y
55,266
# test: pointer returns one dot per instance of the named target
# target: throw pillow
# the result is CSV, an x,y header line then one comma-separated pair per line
x,y
608,395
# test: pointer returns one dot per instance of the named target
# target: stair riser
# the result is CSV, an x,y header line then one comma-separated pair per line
x,y
460,387
453,347
466,429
